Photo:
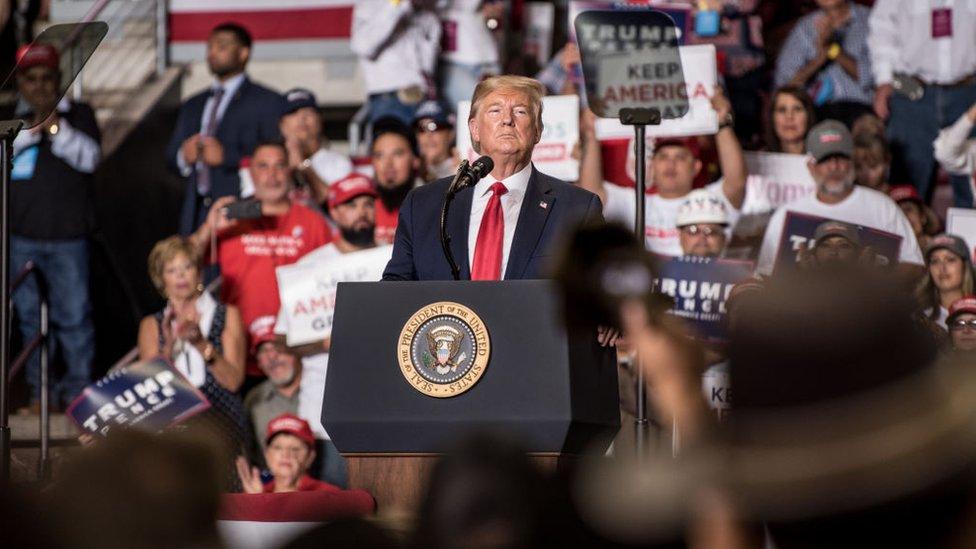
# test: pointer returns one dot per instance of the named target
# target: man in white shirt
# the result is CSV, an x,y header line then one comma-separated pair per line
x,y
469,51
831,147
923,55
956,152
672,170
397,42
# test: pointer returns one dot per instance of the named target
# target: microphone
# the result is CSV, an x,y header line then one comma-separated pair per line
x,y
479,168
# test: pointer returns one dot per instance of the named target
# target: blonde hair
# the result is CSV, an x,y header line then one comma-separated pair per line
x,y
532,88
164,251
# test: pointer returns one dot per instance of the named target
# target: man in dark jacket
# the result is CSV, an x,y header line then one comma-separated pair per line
x,y
218,128
51,216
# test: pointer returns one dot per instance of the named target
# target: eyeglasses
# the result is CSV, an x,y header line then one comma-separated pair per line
x,y
708,232
963,324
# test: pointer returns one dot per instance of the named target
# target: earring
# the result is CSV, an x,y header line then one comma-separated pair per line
x,y
200,288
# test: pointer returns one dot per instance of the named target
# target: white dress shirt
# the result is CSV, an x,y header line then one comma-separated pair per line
x,y
397,44
516,183
956,152
901,40
230,89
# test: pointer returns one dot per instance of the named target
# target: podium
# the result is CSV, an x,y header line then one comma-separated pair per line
x,y
408,376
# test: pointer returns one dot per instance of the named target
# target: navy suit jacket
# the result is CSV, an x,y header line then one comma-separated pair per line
x,y
251,117
550,209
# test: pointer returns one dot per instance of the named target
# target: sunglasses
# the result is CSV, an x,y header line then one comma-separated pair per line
x,y
707,231
962,324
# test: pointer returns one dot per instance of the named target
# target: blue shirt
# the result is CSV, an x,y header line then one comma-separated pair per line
x,y
832,83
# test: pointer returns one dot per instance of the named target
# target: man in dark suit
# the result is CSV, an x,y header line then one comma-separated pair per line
x,y
219,127
503,227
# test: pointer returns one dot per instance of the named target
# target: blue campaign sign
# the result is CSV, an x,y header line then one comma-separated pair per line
x,y
700,286
798,230
150,395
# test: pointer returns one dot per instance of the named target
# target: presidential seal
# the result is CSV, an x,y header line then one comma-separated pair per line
x,y
443,349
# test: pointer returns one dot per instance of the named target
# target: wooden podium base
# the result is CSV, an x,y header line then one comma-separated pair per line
x,y
398,482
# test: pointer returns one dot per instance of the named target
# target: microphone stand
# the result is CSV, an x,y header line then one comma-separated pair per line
x,y
446,238
640,118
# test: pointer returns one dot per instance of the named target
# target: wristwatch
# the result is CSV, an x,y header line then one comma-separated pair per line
x,y
728,122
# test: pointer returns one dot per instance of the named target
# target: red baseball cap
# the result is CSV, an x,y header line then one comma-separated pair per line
x,y
901,193
965,304
690,143
349,187
292,425
32,55
261,331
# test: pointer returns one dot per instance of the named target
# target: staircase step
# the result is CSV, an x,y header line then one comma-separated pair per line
x,y
26,429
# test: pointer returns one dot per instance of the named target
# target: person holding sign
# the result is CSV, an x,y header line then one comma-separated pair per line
x,y
831,149
835,243
672,170
202,337
503,226
962,325
950,276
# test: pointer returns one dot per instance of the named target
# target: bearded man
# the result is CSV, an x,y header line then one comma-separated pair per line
x,y
831,147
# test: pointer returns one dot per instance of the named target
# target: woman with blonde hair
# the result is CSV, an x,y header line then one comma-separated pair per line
x,y
203,338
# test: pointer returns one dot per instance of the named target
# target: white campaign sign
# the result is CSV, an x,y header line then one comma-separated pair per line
x,y
775,179
699,67
962,222
308,290
553,153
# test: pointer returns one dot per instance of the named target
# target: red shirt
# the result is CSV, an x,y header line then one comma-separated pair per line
x,y
306,484
386,222
249,252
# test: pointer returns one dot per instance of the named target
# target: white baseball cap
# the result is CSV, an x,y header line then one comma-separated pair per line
x,y
701,206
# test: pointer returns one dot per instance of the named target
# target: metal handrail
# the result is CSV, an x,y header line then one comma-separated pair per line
x,y
38,341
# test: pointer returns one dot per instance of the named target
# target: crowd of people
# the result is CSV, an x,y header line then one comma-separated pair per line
x,y
880,100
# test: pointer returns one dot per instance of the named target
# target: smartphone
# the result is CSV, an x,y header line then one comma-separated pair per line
x,y
243,209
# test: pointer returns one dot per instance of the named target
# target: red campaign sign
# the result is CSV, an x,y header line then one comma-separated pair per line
x,y
550,152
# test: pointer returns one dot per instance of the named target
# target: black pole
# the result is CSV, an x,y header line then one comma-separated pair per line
x,y
446,238
8,130
640,119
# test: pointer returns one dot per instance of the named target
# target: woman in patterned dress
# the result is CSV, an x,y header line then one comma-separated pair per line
x,y
205,341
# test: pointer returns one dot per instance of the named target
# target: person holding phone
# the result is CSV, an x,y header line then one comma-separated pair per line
x,y
248,247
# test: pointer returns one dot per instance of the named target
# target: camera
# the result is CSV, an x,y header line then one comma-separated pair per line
x,y
243,209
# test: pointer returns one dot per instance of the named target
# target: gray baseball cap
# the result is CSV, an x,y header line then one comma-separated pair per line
x,y
836,228
829,138
951,242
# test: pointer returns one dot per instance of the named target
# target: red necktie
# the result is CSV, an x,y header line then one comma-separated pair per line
x,y
487,263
